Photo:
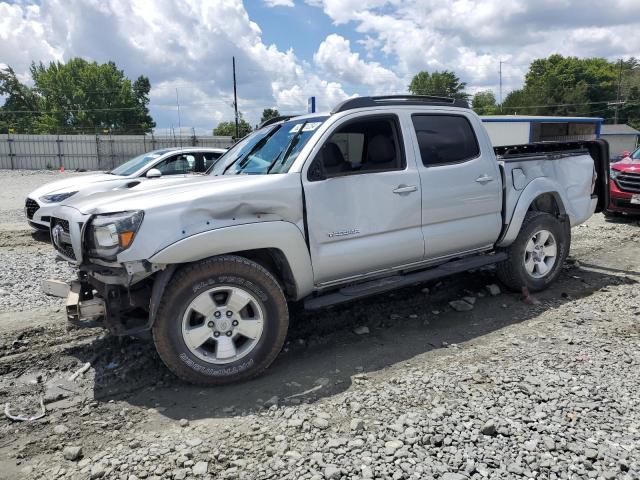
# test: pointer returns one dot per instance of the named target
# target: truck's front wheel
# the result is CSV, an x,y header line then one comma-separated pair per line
x,y
221,320
537,254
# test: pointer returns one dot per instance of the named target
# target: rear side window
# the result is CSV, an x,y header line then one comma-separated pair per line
x,y
445,139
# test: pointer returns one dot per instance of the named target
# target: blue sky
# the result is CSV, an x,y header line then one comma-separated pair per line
x,y
287,50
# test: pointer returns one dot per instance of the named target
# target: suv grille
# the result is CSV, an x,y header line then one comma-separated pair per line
x,y
629,182
60,237
30,207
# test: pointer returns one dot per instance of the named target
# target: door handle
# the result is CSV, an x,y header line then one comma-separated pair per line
x,y
484,179
405,189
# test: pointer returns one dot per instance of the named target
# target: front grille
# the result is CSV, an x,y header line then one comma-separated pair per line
x,y
629,182
625,203
61,239
30,207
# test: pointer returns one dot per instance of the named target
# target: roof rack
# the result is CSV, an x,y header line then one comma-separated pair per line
x,y
361,102
277,119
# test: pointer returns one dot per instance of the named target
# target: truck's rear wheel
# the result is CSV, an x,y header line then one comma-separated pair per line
x,y
537,254
221,320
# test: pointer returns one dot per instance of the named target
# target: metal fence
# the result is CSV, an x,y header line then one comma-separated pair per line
x,y
89,152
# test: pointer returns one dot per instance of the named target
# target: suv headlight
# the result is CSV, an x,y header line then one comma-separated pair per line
x,y
57,197
111,233
613,173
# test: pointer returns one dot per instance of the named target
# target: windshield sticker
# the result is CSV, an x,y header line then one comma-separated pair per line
x,y
295,128
310,127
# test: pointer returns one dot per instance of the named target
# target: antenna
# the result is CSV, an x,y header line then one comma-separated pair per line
x,y
235,98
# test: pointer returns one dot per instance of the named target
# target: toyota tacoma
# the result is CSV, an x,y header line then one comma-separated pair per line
x,y
382,192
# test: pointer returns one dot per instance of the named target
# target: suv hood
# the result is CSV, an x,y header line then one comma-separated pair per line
x,y
74,182
627,164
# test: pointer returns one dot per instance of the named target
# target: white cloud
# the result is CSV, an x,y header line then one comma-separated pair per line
x,y
279,3
334,56
187,46
472,36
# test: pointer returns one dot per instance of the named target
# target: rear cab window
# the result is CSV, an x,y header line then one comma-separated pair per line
x,y
444,138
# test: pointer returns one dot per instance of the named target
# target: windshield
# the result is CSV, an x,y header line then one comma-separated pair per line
x,y
131,166
269,150
636,155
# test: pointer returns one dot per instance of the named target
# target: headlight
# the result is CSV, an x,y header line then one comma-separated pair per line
x,y
613,174
112,233
57,197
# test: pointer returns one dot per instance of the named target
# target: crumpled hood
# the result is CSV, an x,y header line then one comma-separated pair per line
x,y
72,183
176,210
156,193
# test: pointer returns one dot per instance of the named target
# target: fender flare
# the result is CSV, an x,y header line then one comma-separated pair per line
x,y
533,190
280,235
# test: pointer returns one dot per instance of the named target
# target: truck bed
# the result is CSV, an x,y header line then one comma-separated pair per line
x,y
514,157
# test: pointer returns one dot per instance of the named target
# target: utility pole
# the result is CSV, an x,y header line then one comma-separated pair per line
x,y
179,119
500,86
235,98
615,121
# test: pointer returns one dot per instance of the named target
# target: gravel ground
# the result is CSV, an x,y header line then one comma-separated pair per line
x,y
505,390
16,185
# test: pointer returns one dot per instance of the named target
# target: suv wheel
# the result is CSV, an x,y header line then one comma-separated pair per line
x,y
221,320
537,254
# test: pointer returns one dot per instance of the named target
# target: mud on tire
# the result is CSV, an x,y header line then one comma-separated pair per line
x,y
191,282
513,272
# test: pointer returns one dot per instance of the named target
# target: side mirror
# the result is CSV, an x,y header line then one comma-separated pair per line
x,y
154,173
316,170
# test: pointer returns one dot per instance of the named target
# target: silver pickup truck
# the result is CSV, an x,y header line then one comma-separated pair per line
x,y
381,193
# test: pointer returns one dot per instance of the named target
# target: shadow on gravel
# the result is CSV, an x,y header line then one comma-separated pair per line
x,y
323,353
41,236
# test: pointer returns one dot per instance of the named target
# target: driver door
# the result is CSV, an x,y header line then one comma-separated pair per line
x,y
363,214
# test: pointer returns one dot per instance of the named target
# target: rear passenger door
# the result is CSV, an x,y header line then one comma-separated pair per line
x,y
363,211
461,186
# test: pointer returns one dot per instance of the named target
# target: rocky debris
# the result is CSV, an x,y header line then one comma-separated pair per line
x,y
361,330
200,468
493,289
489,428
72,452
557,384
461,305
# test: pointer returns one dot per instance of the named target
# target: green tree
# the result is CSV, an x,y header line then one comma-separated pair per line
x,y
443,84
81,96
571,86
269,113
484,103
21,105
228,129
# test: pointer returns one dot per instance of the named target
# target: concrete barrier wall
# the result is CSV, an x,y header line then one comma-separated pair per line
x,y
89,152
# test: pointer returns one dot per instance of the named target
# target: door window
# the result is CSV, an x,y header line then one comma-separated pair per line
x,y
365,145
177,165
445,139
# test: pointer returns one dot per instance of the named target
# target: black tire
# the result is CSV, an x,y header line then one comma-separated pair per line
x,y
195,279
611,214
512,272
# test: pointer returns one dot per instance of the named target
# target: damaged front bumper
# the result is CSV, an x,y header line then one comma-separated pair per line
x,y
87,313
98,299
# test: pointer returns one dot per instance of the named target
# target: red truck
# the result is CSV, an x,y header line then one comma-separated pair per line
x,y
625,186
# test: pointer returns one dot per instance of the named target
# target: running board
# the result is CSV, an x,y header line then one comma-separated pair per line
x,y
365,289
